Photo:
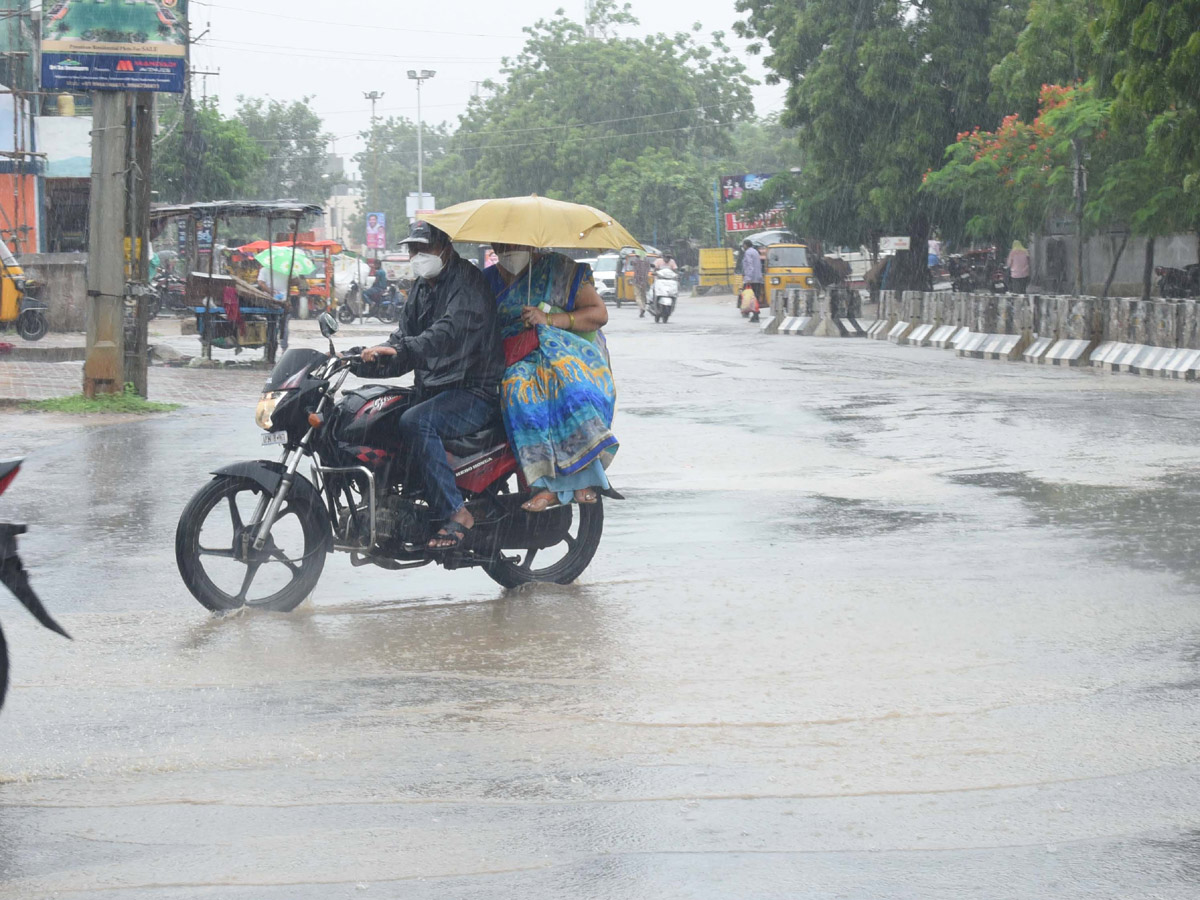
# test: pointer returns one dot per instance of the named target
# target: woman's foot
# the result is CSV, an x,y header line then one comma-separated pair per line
x,y
540,502
454,533
586,495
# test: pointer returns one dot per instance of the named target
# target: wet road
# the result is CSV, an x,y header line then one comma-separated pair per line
x,y
875,622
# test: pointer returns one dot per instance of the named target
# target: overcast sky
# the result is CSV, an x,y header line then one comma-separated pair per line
x,y
334,51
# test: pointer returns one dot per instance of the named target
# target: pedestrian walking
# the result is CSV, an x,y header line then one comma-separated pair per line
x,y
1018,267
752,274
642,268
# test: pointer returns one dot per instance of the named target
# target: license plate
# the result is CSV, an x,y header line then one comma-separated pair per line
x,y
279,437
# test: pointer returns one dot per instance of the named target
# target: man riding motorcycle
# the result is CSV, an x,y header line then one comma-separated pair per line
x,y
447,337
379,286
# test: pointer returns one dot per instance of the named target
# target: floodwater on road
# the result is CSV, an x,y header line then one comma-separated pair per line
x,y
874,622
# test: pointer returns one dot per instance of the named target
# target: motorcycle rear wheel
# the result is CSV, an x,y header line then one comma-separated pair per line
x,y
389,313
303,554
578,549
345,314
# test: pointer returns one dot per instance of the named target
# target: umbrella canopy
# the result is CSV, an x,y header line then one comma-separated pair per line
x,y
255,246
280,260
534,221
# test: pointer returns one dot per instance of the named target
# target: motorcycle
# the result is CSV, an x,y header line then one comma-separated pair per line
x,y
663,294
258,533
347,310
171,292
1176,283
385,308
14,577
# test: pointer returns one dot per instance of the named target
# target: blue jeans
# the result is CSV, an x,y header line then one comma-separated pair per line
x,y
452,413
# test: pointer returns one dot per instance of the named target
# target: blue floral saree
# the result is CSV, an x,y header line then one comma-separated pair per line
x,y
558,400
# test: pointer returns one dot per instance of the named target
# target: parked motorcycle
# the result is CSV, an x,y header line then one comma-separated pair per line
x,y
348,309
663,294
1175,283
258,533
171,291
14,577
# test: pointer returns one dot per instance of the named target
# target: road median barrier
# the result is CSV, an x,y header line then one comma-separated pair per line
x,y
1156,337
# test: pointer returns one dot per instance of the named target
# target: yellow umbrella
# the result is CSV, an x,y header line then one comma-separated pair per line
x,y
534,221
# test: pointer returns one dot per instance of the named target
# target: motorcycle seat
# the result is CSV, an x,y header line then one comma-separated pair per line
x,y
477,442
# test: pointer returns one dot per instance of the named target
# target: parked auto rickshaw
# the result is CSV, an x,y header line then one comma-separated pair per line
x,y
20,306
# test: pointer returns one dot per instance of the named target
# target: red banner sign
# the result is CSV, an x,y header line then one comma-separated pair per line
x,y
772,218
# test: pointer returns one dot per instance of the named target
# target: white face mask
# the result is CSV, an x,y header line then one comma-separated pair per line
x,y
514,261
427,265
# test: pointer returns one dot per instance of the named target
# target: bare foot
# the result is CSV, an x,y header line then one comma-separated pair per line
x,y
586,495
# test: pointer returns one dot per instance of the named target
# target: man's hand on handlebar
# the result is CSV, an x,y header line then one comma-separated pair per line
x,y
371,354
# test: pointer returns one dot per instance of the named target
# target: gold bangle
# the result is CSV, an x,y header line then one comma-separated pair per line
x,y
571,317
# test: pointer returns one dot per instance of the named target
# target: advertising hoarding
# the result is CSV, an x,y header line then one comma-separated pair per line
x,y
772,218
376,231
893,243
734,186
114,45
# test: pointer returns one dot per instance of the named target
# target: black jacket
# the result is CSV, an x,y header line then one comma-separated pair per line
x,y
448,335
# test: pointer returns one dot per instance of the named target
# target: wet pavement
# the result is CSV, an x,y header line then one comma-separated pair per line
x,y
874,622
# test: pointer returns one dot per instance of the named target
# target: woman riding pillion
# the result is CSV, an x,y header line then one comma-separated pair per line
x,y
558,394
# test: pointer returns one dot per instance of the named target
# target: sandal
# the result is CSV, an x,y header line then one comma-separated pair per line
x,y
452,536
586,496
541,502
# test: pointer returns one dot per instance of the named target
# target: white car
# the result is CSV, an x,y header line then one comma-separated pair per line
x,y
605,270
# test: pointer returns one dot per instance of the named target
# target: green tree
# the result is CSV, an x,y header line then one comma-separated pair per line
x,y
659,196
388,163
1054,47
880,88
229,159
572,111
1155,75
295,158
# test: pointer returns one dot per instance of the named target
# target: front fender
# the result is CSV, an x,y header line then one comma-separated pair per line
x,y
28,302
268,473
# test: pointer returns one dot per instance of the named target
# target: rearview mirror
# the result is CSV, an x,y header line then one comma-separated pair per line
x,y
329,325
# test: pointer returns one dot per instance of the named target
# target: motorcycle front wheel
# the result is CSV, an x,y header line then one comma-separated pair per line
x,y
560,564
32,325
224,573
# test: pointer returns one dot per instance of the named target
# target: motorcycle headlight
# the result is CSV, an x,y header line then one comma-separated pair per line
x,y
775,281
266,409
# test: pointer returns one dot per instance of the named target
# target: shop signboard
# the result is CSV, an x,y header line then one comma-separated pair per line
x,y
114,45
772,218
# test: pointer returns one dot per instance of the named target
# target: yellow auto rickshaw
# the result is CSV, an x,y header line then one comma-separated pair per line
x,y
19,303
787,266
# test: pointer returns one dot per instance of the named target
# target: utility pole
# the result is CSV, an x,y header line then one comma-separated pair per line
x,y
374,97
422,76
104,368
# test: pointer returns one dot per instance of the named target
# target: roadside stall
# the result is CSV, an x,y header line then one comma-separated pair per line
x,y
230,310
321,297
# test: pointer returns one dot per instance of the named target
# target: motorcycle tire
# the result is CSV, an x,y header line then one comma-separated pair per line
x,y
509,573
306,569
345,314
389,313
32,325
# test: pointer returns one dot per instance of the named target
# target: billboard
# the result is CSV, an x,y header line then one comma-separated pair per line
x,y
772,218
376,231
114,45
734,186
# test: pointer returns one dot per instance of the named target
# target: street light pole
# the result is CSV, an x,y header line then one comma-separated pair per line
x,y
419,77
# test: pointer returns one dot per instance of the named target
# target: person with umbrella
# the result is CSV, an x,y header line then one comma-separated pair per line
x,y
558,395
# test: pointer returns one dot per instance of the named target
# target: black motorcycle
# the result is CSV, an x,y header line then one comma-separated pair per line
x,y
170,292
1176,283
384,306
13,576
258,533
